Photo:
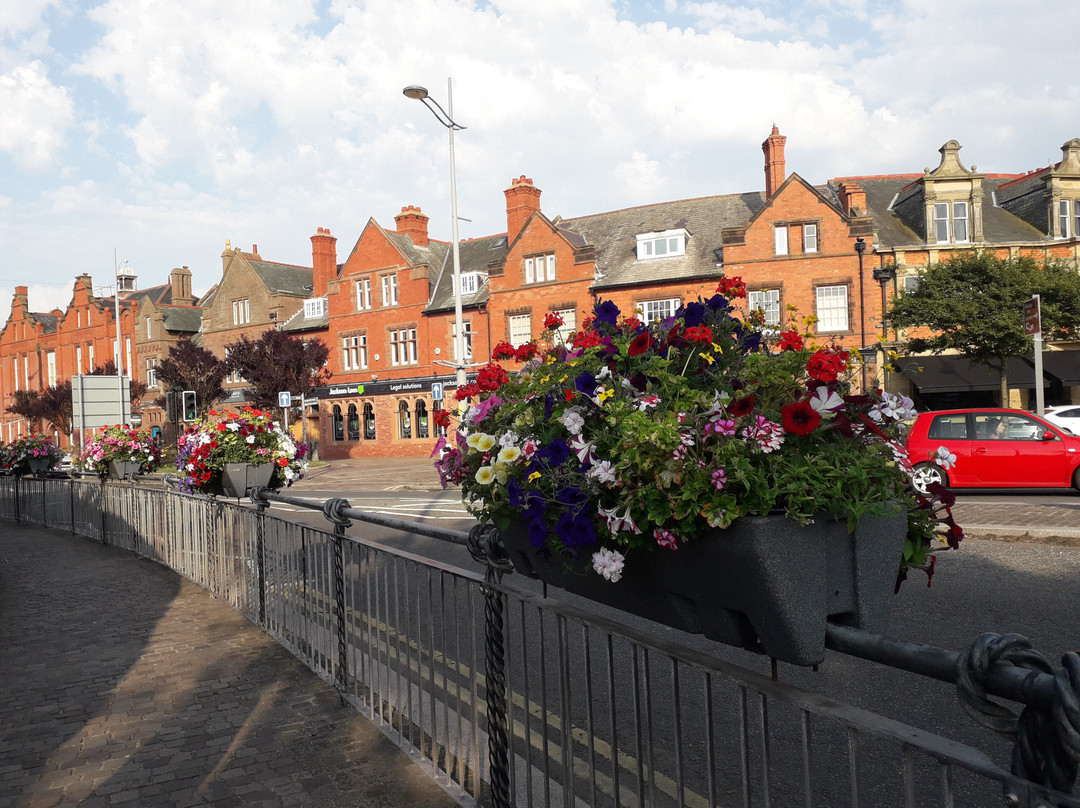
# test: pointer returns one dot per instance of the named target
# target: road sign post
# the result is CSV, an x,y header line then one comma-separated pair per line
x,y
284,399
1033,328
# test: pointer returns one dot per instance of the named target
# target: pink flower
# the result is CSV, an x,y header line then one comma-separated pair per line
x,y
666,539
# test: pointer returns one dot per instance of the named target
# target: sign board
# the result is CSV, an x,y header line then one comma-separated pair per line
x,y
436,391
310,402
98,401
1032,319
284,399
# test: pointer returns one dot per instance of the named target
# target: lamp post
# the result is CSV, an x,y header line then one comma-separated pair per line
x,y
118,353
884,275
860,248
446,118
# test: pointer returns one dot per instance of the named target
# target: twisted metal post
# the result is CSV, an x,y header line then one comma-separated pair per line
x,y
486,547
333,511
1046,736
258,496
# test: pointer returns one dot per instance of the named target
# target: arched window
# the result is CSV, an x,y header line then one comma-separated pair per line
x,y
421,420
339,424
369,422
404,422
353,423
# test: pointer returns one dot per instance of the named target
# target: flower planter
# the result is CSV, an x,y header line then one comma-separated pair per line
x,y
237,478
765,583
37,465
123,469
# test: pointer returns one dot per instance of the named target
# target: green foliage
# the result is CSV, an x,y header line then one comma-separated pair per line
x,y
277,361
190,367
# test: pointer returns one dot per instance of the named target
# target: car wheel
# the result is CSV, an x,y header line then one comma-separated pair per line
x,y
1076,478
925,474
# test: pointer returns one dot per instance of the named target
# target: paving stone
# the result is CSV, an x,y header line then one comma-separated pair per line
x,y
125,684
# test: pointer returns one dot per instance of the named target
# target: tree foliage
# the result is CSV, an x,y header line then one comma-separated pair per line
x,y
26,404
277,361
56,406
190,367
973,304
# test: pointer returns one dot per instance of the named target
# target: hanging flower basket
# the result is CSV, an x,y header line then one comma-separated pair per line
x,y
237,478
123,469
37,465
120,453
765,583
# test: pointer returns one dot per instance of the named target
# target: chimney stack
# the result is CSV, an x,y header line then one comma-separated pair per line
x,y
414,224
180,282
852,198
522,198
775,167
323,260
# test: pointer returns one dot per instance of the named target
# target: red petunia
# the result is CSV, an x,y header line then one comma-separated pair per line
x,y
741,406
640,344
800,418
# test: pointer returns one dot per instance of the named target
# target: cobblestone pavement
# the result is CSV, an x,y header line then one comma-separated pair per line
x,y
121,684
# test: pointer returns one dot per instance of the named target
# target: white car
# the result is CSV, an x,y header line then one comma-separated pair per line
x,y
1067,417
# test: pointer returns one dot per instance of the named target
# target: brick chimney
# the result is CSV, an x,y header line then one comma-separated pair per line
x,y
522,198
775,167
180,281
852,198
21,296
413,224
323,260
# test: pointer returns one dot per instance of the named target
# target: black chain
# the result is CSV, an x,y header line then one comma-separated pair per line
x,y
1046,739
486,547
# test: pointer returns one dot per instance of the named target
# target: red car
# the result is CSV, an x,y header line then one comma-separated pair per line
x,y
993,448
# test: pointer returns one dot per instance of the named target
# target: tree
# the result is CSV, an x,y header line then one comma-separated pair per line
x,y
56,406
278,361
136,389
190,367
26,404
973,304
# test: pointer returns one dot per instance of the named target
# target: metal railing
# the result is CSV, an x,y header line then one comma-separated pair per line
x,y
511,698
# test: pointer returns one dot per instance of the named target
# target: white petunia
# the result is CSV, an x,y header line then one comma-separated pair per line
x,y
603,472
826,401
944,458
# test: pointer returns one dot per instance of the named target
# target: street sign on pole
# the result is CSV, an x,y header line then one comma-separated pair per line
x,y
1032,317
1033,328
284,399
436,391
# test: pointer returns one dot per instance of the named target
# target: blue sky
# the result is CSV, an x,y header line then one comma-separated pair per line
x,y
162,129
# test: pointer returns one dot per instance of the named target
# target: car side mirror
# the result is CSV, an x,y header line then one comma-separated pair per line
x,y
1048,435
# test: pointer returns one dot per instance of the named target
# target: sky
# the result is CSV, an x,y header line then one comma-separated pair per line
x,y
155,131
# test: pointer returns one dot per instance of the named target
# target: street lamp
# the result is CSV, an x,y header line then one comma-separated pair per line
x,y
446,118
860,248
884,276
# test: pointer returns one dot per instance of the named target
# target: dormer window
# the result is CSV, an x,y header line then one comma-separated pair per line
x,y
470,283
661,245
316,307
1068,218
951,222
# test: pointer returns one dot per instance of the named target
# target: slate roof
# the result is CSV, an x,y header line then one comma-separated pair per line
x,y
999,226
284,278
614,236
477,255
301,322
159,294
181,318
46,321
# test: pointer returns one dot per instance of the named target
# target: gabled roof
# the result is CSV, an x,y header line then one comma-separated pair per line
x,y
477,255
614,237
999,226
181,318
287,279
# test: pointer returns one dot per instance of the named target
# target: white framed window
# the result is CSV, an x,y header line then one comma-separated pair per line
x,y
468,335
911,283
960,222
520,329
403,346
768,300
780,239
78,319
470,283
1076,219
832,308
234,376
128,368
354,352
78,360
389,290
241,311
315,307
568,327
91,356
1064,219
941,222
655,310
151,372
363,294
26,372
149,331
809,238
50,365
15,371
540,268
666,244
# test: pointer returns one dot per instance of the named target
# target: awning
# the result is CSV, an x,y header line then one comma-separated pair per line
x,y
956,374
1065,365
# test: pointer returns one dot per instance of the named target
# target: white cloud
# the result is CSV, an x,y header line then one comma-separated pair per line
x,y
35,114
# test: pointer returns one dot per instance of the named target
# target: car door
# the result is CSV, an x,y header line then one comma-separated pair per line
x,y
948,429
1019,456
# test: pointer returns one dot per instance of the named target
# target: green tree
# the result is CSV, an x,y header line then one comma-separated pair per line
x,y
973,304
191,367
277,361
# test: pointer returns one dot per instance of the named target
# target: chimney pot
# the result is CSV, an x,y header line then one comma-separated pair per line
x,y
775,166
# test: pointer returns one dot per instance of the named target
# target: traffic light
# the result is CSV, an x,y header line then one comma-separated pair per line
x,y
172,413
189,410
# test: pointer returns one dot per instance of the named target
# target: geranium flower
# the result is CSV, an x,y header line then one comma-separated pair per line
x,y
603,472
767,435
609,564
800,418
666,539
719,479
573,420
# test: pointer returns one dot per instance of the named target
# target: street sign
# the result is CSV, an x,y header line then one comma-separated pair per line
x,y
284,399
1032,319
436,391
311,402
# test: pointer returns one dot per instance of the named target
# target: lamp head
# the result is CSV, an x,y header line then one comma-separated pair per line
x,y
415,91
860,245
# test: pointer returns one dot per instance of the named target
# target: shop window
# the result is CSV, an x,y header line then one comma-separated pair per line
x,y
369,422
353,423
404,421
339,423
422,430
